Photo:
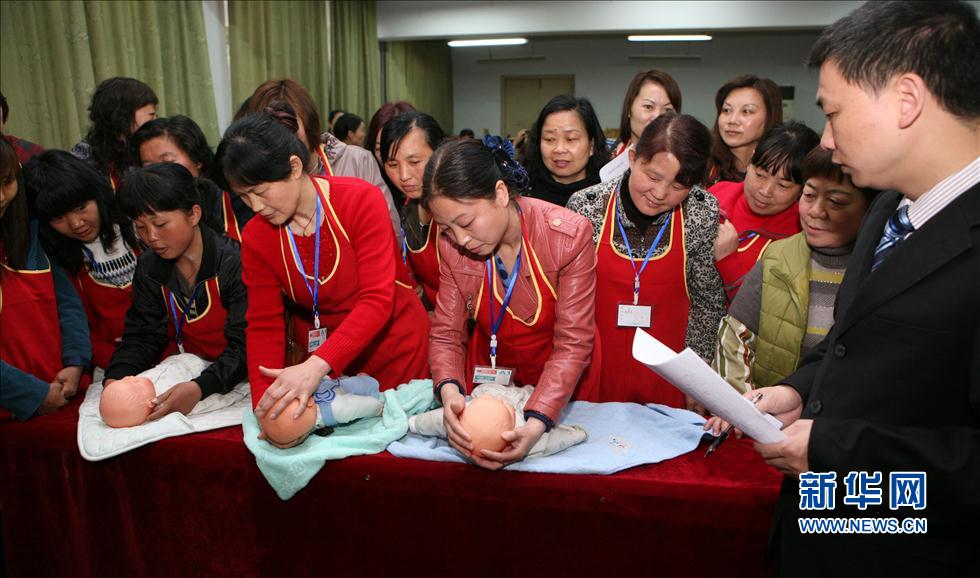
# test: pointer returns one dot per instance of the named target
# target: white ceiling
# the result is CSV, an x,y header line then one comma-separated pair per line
x,y
415,20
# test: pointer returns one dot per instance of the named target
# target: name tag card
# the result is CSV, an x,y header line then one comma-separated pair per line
x,y
486,374
316,337
634,316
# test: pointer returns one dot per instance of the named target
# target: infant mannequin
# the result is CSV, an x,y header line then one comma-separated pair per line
x,y
284,429
126,402
559,438
486,419
335,402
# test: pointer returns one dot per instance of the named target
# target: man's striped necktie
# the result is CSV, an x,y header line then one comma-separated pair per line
x,y
896,228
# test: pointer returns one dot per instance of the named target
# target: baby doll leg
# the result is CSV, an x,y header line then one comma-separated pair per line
x,y
429,423
347,399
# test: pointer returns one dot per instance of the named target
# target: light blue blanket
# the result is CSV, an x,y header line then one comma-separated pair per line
x,y
288,471
621,435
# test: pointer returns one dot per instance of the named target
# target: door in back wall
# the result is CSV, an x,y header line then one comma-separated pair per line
x,y
524,96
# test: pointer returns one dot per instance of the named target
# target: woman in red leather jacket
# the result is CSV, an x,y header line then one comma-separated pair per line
x,y
538,327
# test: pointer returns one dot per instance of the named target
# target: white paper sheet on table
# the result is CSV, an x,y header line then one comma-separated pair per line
x,y
690,374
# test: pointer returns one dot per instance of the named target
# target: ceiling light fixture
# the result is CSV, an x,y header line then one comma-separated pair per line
x,y
488,42
668,38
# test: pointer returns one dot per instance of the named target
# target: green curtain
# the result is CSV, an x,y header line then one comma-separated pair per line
x,y
55,53
421,72
278,39
356,76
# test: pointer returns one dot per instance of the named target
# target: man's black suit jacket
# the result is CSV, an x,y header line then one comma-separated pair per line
x,y
896,387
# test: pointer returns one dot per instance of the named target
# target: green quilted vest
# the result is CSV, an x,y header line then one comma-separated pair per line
x,y
783,315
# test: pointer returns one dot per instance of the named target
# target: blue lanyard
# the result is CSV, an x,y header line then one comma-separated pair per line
x,y
314,288
646,260
404,245
179,320
496,321
745,236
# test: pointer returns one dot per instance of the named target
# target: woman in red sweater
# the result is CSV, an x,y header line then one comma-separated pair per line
x,y
326,244
763,209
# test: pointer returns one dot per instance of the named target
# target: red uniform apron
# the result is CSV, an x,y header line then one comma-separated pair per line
x,y
229,221
425,264
31,334
203,334
105,306
663,286
115,181
399,352
325,170
755,232
525,346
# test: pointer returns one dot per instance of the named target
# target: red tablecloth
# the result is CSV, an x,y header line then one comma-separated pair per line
x,y
198,505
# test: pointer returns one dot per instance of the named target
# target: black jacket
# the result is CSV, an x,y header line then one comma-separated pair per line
x,y
895,387
145,334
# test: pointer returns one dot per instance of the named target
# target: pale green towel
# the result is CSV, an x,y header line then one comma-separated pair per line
x,y
288,471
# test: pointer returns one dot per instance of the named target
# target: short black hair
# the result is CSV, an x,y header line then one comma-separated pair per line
x,y
683,136
57,183
819,164
782,148
159,187
532,150
399,127
936,40
467,133
346,124
256,149
184,132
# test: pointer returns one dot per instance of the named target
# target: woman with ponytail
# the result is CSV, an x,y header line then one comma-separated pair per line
x,y
188,294
323,245
524,270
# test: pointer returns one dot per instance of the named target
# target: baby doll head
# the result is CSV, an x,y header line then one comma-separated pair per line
x,y
125,402
485,418
284,429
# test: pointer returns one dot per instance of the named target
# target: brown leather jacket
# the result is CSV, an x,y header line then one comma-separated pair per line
x,y
563,243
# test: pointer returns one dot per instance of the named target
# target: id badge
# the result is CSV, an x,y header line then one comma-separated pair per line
x,y
486,374
315,339
634,316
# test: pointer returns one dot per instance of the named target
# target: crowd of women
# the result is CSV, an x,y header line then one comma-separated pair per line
x,y
292,253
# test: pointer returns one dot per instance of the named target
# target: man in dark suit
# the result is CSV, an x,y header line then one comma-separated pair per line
x,y
894,390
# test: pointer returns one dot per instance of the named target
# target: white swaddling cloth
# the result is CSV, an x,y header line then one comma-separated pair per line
x,y
97,441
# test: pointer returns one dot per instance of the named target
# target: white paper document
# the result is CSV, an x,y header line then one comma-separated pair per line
x,y
690,374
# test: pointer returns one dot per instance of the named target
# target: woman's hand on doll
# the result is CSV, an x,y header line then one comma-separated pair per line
x,y
453,404
297,381
180,398
53,401
519,443
69,377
